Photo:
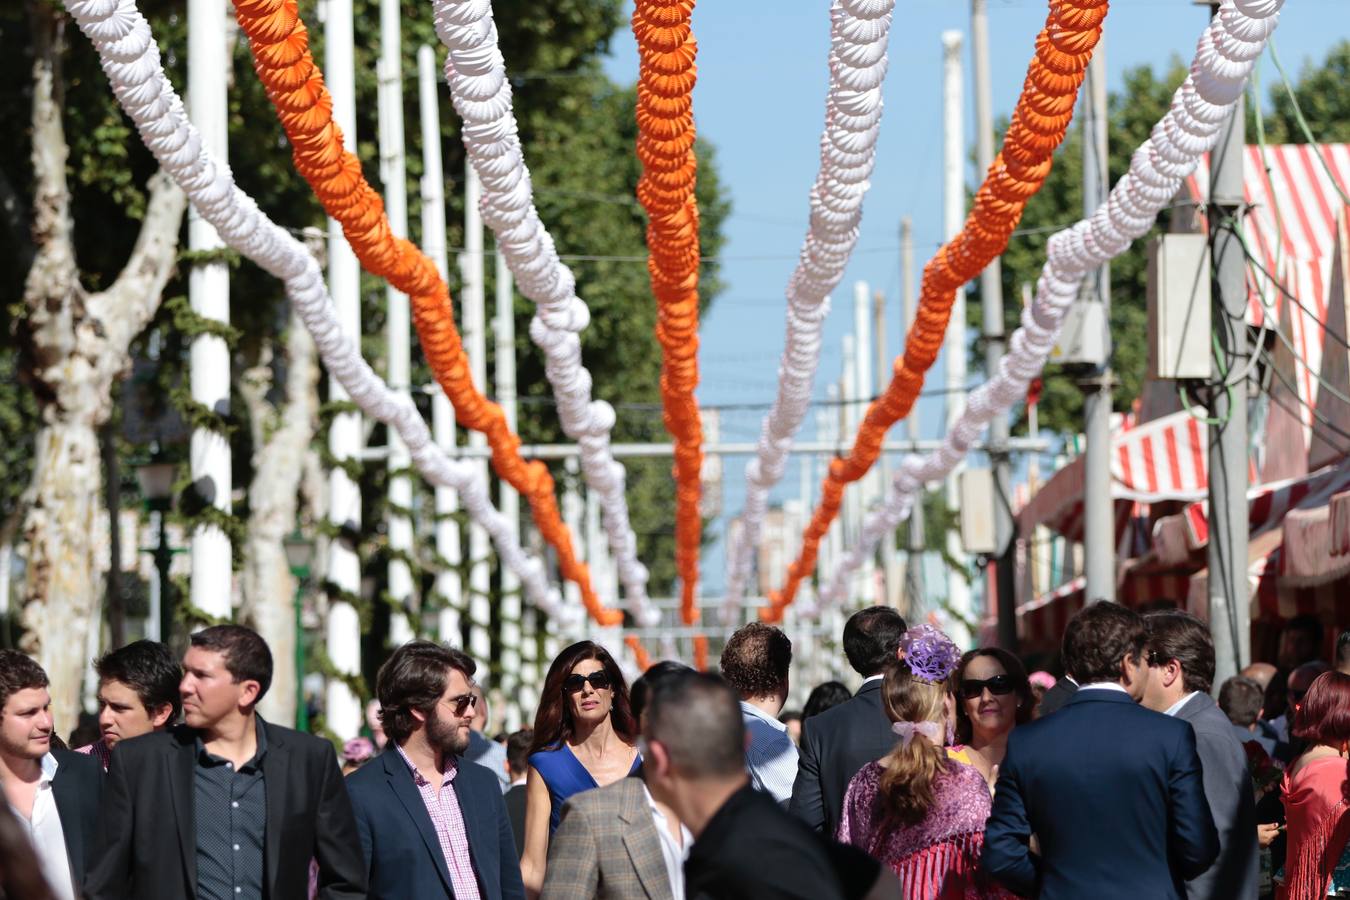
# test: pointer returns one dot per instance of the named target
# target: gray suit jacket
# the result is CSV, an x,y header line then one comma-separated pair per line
x,y
607,847
1228,788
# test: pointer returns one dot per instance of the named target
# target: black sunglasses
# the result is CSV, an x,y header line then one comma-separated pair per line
x,y
598,679
463,703
998,686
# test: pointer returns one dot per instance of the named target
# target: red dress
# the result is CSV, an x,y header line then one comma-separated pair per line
x,y
1315,805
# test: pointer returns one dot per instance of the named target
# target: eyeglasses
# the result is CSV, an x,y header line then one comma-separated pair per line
x,y
1157,660
1296,697
999,685
463,703
573,684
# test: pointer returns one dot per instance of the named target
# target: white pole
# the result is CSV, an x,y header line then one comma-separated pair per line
x,y
343,630
394,174
475,343
954,347
505,366
573,511
869,486
913,604
890,563
209,294
442,414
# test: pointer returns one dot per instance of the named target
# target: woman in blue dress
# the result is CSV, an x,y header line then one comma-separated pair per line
x,y
584,737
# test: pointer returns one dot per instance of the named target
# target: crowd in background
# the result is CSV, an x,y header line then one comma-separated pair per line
x,y
946,774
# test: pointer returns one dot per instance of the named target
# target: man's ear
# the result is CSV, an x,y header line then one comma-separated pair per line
x,y
160,716
659,758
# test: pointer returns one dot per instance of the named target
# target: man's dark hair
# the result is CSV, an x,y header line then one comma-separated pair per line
x,y
18,672
518,751
414,678
246,655
1241,699
1343,649
149,669
697,718
1098,638
756,660
871,639
1178,635
641,690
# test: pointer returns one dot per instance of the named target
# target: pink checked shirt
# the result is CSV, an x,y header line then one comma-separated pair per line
x,y
448,820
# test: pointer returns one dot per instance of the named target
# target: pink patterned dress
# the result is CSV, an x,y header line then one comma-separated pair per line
x,y
938,858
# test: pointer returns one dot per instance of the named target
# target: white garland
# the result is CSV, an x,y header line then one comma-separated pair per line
x,y
131,61
859,32
1225,55
476,73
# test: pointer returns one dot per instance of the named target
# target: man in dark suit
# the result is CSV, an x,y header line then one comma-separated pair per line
x,y
431,824
1060,693
1112,791
1181,674
843,739
53,791
517,765
226,805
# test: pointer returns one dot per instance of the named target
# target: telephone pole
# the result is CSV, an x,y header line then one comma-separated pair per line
x,y
914,587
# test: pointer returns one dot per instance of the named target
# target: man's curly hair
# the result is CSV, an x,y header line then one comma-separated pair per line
x,y
756,659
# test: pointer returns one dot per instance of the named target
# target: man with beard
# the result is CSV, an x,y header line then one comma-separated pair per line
x,y
226,805
52,792
431,827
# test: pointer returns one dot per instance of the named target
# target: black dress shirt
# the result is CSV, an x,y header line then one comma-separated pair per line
x,y
752,848
230,809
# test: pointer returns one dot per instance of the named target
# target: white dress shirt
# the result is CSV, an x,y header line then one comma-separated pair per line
x,y
1103,686
1176,707
771,758
44,830
674,854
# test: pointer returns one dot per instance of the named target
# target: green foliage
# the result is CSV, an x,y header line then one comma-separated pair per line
x,y
1323,93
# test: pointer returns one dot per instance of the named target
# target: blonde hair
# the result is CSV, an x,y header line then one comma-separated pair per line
x,y
908,771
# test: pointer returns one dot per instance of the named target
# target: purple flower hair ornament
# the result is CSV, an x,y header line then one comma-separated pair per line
x,y
929,653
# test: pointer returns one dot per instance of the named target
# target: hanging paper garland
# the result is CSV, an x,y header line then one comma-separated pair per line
x,y
859,33
665,147
280,46
131,60
1063,49
1225,56
481,92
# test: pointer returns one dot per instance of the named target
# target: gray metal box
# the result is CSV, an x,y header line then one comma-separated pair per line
x,y
1179,328
1082,338
977,511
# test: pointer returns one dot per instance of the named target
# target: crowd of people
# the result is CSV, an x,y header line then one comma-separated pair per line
x,y
947,774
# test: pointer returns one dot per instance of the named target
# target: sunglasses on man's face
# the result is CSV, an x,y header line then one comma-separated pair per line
x,y
463,703
573,684
999,685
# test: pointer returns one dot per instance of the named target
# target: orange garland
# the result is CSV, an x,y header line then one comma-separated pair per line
x,y
665,147
280,46
1063,49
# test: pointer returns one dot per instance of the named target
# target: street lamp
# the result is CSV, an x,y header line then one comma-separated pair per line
x,y
299,555
156,481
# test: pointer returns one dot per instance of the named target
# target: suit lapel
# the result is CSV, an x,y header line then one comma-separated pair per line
x,y
642,842
401,783
68,811
180,765
275,763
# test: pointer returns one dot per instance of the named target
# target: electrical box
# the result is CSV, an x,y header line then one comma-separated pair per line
x,y
1082,339
1179,332
977,511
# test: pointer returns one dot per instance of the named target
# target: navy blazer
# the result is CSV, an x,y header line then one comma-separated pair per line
x,y
403,854
835,745
1115,795
76,790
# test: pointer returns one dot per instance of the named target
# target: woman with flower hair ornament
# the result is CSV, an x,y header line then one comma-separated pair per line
x,y
917,810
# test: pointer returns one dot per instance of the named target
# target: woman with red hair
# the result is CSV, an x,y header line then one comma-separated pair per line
x,y
1315,789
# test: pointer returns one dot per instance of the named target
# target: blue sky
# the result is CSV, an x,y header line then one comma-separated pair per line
x,y
760,100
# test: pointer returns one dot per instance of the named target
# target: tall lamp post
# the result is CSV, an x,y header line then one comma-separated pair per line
x,y
156,482
299,556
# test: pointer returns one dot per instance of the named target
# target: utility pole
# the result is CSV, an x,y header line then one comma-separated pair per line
x,y
1099,531
954,347
914,586
862,385
209,295
475,344
889,562
991,305
394,174
1226,553
343,628
448,585
504,367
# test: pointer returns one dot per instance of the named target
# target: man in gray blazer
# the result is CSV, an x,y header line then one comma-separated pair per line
x,y
1181,663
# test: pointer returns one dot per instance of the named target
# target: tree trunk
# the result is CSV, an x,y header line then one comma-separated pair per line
x,y
269,588
77,347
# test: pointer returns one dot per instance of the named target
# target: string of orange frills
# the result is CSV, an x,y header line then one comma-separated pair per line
x,y
280,46
665,147
1044,109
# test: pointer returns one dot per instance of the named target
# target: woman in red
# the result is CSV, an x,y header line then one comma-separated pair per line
x,y
1315,789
